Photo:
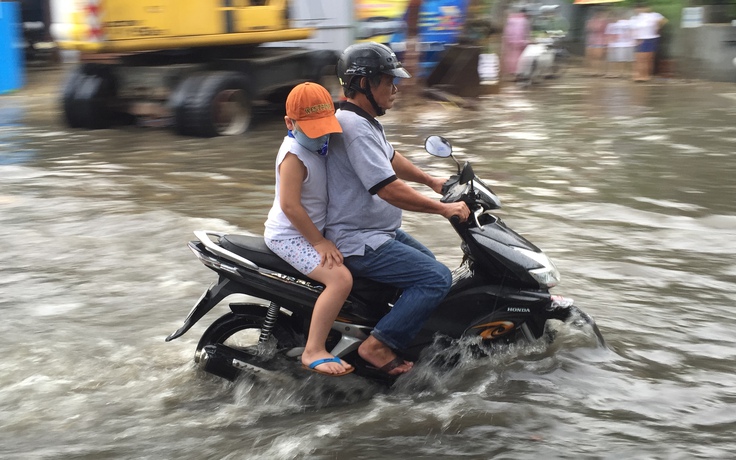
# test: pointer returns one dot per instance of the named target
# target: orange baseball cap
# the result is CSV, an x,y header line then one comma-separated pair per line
x,y
311,106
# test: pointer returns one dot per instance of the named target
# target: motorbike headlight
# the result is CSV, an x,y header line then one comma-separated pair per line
x,y
547,275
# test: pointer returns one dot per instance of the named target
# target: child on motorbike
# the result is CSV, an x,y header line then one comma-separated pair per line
x,y
297,218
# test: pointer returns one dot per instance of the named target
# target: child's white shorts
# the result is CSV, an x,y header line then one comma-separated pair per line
x,y
297,252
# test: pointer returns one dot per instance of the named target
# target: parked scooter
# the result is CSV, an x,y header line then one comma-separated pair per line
x,y
500,294
543,58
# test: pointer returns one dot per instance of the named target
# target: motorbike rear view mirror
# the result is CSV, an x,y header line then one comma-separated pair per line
x,y
440,147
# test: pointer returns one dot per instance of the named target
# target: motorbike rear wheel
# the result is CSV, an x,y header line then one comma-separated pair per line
x,y
241,332
561,63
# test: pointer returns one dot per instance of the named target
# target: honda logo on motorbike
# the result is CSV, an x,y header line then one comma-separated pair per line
x,y
518,310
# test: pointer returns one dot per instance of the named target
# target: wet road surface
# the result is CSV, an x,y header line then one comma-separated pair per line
x,y
628,187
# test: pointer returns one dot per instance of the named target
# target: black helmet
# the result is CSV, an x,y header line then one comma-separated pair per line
x,y
367,60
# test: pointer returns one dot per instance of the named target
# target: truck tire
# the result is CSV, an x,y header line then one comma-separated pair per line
x,y
214,104
72,118
88,96
92,102
184,92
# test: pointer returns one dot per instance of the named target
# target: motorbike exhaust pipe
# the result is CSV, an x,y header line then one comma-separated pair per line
x,y
216,361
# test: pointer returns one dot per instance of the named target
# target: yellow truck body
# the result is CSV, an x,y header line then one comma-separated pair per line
x,y
122,26
192,64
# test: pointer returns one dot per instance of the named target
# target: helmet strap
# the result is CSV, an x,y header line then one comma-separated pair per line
x,y
369,95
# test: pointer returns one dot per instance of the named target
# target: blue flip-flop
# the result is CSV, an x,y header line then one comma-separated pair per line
x,y
334,359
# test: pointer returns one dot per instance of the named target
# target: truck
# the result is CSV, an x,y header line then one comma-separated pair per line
x,y
202,66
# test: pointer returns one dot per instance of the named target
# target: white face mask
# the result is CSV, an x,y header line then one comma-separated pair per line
x,y
316,145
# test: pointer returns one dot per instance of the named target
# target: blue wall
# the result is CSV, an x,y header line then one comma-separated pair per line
x,y
11,56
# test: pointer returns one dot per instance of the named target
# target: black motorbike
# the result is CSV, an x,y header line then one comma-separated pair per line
x,y
500,294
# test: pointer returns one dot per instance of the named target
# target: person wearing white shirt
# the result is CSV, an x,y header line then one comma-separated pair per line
x,y
646,27
621,44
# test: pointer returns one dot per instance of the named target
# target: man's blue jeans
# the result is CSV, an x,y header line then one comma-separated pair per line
x,y
405,263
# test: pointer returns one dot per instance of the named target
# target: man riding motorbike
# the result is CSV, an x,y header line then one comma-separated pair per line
x,y
367,192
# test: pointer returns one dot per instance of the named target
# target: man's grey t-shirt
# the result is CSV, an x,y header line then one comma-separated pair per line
x,y
358,166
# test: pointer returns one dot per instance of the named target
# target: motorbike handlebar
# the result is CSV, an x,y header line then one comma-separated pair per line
x,y
455,220
449,183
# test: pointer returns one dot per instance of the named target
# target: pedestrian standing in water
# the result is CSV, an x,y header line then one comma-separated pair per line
x,y
298,215
516,35
621,44
595,42
646,25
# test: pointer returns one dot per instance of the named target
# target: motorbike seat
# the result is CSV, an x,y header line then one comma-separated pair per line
x,y
371,299
254,249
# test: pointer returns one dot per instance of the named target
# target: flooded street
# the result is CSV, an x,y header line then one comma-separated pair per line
x,y
628,187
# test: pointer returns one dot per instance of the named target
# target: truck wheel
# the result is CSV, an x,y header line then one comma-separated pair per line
x,y
184,92
71,116
220,106
88,96
92,102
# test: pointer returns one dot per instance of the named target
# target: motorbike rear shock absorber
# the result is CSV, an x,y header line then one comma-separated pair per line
x,y
271,315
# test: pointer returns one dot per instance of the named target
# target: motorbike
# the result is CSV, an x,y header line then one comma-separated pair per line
x,y
500,294
543,58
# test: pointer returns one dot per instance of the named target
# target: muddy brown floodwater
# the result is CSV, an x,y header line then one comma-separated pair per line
x,y
628,187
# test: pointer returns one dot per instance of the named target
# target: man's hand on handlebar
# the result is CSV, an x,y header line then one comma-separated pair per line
x,y
436,184
459,209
